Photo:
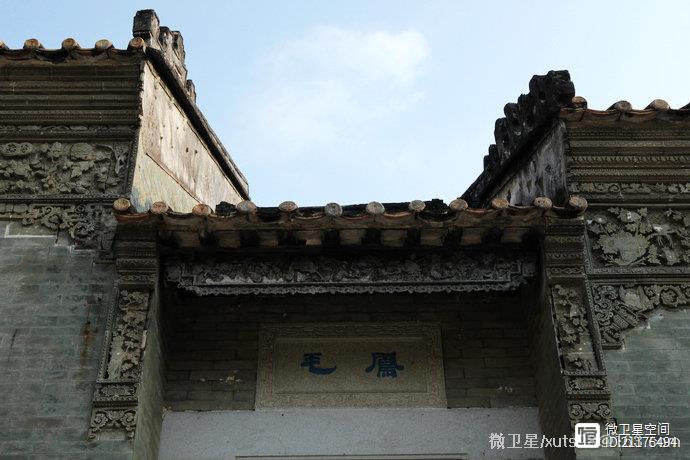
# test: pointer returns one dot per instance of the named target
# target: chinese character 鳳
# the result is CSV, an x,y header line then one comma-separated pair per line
x,y
387,363
313,361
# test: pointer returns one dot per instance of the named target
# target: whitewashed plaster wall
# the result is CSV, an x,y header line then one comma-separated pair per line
x,y
298,433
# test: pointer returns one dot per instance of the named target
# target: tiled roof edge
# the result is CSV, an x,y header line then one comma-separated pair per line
x,y
431,211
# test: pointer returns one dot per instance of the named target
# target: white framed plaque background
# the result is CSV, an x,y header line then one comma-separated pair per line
x,y
350,365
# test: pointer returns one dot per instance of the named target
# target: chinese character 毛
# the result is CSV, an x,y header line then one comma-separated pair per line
x,y
387,363
313,361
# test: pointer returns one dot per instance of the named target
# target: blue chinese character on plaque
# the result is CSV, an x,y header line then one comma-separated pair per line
x,y
313,361
387,364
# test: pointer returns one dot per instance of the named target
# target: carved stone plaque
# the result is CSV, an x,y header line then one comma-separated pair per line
x,y
350,365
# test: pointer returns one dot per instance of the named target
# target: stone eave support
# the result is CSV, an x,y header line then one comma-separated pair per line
x,y
583,374
117,395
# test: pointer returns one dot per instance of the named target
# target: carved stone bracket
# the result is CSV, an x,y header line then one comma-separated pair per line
x,y
115,398
579,348
618,307
420,273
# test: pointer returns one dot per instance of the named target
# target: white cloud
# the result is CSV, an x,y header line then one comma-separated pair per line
x,y
333,82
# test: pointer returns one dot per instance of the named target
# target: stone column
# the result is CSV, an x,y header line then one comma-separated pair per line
x,y
578,392
128,397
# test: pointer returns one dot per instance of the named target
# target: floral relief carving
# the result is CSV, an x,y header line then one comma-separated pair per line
x,y
629,238
82,221
573,329
586,383
416,273
633,188
49,169
571,322
113,419
109,392
594,411
126,342
622,307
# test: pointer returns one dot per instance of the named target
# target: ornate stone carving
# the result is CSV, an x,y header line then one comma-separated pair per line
x,y
572,323
586,384
34,131
127,335
83,222
58,169
584,411
616,190
115,398
423,272
628,238
586,395
113,419
621,307
115,392
573,329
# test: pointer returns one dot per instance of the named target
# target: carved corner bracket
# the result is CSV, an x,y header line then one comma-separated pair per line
x,y
622,306
640,258
115,398
579,347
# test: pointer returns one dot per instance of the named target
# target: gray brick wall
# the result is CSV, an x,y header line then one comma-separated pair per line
x,y
550,391
150,391
53,305
650,379
213,343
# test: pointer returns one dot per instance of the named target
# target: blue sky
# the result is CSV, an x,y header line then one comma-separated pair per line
x,y
354,101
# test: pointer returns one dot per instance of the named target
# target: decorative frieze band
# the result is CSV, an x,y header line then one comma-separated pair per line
x,y
51,169
421,272
87,224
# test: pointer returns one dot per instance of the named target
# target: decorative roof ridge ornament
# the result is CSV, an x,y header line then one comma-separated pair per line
x,y
547,95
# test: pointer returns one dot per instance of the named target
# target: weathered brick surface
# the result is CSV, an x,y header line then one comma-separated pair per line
x,y
650,379
549,385
213,343
52,315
